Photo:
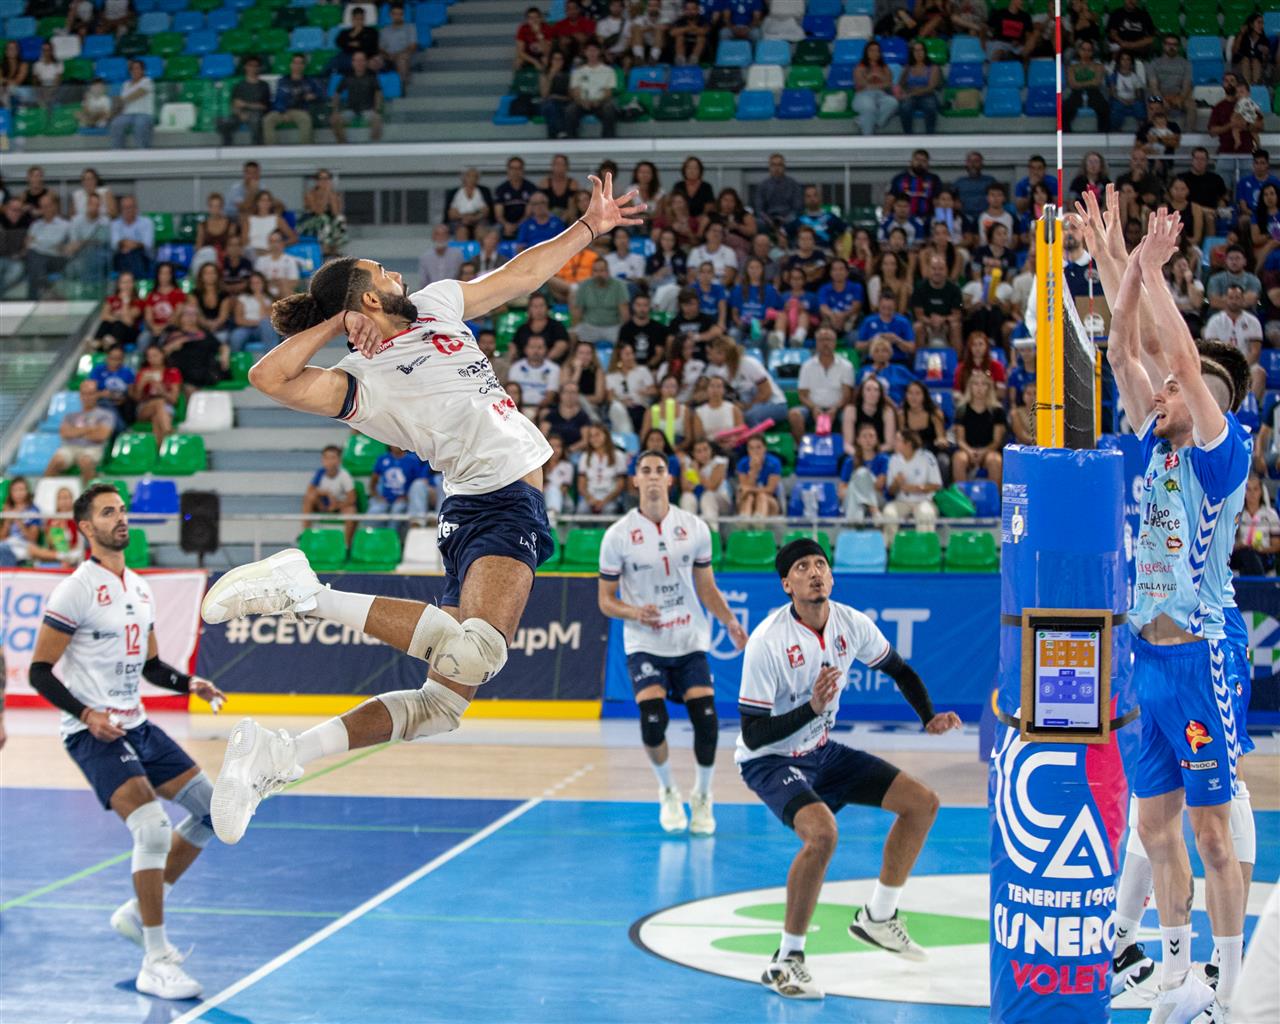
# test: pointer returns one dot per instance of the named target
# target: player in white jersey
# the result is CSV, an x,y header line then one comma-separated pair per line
x,y
99,628
415,379
655,574
796,665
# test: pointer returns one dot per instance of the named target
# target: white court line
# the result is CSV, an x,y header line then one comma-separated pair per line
x,y
235,988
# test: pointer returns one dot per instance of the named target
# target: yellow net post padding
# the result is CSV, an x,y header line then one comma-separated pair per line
x,y
1050,298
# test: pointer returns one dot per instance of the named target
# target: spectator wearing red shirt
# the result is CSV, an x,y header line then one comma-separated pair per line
x,y
1013,36
533,41
166,298
122,315
1237,137
574,29
977,357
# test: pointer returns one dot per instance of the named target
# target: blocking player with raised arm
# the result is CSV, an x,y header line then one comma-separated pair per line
x,y
416,380
99,623
655,574
1197,464
796,665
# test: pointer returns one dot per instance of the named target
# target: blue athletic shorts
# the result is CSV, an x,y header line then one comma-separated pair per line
x,y
1189,735
833,774
145,749
511,522
1240,678
676,675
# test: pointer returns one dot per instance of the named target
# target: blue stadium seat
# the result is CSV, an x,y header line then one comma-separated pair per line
x,y
786,362
945,400
172,6
508,249
154,66
1261,95
61,404
797,105
642,247
817,455
392,87
629,443
29,48
965,76
226,18
649,76
893,48
840,76
146,6
967,50
187,21
431,15
309,254
34,452
153,499
1006,74
469,249
865,7
847,51
733,53
217,65
1271,23
200,43
17,28
306,38
755,105
11,9
1269,360
819,26
1204,48
154,22
686,79
239,5
112,69
1207,72
1042,101
942,363
1002,103
828,498
1041,72
860,551
985,495
177,253
824,9
503,115
97,46
773,51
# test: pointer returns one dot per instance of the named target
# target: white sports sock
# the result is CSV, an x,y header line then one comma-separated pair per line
x,y
343,606
884,901
1230,949
1177,955
790,944
329,737
153,939
702,778
663,771
1131,900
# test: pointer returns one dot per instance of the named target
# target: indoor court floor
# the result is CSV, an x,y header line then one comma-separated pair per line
x,y
512,871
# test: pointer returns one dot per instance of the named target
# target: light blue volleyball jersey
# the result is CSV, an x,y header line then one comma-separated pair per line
x,y
1191,497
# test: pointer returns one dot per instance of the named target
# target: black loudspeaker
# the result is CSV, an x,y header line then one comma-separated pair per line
x,y
201,511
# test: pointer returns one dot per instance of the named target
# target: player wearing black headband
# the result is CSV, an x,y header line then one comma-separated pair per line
x,y
797,662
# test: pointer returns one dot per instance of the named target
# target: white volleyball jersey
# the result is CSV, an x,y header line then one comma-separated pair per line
x,y
430,390
781,665
109,619
655,563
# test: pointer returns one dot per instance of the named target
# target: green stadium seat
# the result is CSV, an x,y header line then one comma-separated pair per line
x,y
167,44
937,49
716,105
361,453
318,61
507,325
750,551
137,555
640,103
949,108
182,67
972,552
783,446
822,538
29,121
204,6
375,549
362,497
806,76
238,41
62,120
324,16
4,490
241,363
1201,21
121,487
673,106
326,549
256,19
279,62
46,27
77,69
914,551
582,550
132,454
271,40
182,455
289,18
133,45
163,224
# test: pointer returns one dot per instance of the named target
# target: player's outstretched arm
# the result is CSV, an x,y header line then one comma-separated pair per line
x,y
283,373
1160,244
531,269
1137,393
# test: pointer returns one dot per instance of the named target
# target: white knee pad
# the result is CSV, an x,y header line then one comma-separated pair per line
x,y
195,796
470,652
1243,834
152,834
430,711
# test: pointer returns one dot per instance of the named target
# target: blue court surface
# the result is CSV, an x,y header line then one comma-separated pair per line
x,y
348,910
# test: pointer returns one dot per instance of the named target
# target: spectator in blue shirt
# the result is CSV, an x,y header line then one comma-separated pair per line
x,y
840,299
759,480
972,186
919,184
754,303
541,224
400,481
298,97
712,297
736,19
862,475
827,227
886,322
1035,175
902,220
114,379
799,311
1249,188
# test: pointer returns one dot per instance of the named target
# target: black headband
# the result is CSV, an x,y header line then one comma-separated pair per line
x,y
793,552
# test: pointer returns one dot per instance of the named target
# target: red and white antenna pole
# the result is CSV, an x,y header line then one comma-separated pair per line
x,y
1057,61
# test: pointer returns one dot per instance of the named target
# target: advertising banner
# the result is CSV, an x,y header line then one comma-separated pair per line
x,y
557,654
1259,601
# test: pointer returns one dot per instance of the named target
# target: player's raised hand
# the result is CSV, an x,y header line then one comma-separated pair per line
x,y
737,634
605,212
206,691
1161,239
942,722
648,615
825,688
362,332
100,726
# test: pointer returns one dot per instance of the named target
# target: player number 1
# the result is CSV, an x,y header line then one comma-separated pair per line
x,y
666,565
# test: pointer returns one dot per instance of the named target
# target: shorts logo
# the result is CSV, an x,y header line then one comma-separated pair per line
x,y
1197,735
530,542
796,776
1199,766
444,528
1173,543
647,669
795,656
104,594
637,536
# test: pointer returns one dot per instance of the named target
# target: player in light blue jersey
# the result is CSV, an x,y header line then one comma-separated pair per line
x,y
1197,464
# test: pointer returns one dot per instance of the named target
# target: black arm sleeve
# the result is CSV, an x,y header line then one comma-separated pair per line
x,y
50,687
165,676
909,683
761,730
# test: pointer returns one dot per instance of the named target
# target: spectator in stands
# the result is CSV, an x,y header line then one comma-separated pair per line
x,y
971,187
1126,84
331,491
862,477
574,30
1205,187
1081,23
20,538
600,306
512,198
936,304
399,44
1169,76
541,323
81,16
1265,229
198,355
689,34
47,75
808,258
251,315
631,388
487,342
559,186
1237,134
213,232
584,371
602,474
871,404
1266,452
298,100
921,414
558,476
691,321
1196,220
713,299
84,433
624,264
751,384
827,227
1011,34
540,225
892,277
163,301
647,336
1234,273
122,314
441,262
753,304
137,108
825,388
250,101
918,184
873,98
995,213
1188,292
669,416
912,478
132,240
1252,52
357,38
1140,190
713,250
15,219
1092,177
995,256
695,190
553,88
258,221
591,88
1022,417
841,299
470,206
567,417
211,299
398,484
1235,325
236,267
919,88
490,256
281,270
116,17
1257,532
717,415
1249,187
533,41
1131,30
113,380
1035,176
15,75
95,106
649,32
980,430
704,483
1086,85
954,257
241,195
538,377
759,481
153,393
977,358
614,32
46,246
358,95
322,216
89,244
779,198
797,313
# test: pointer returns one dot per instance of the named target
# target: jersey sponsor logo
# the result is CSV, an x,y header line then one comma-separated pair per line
x,y
637,536
384,346
1173,543
795,656
408,368
504,408
681,533
1171,485
1197,735
104,594
1171,461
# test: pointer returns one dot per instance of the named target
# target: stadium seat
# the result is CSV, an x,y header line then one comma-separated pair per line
x,y
812,52
224,19
783,445
828,506
733,53
848,51
137,555
113,69
965,76
326,548
375,549
818,455
894,49
686,79
726,79
673,106
1207,72
121,487
819,27
432,15
153,65
755,105
421,552
1042,101
97,46
217,66
1040,72
824,8
208,412
787,9
985,495
1006,74
967,50
132,454
157,21
628,442
823,539
503,115
785,363
834,103
47,488
582,550
66,48
860,551
1204,47
1271,23
239,378
324,16
648,76
308,251
772,51
803,76
1200,21
152,500
715,105
182,455
62,403
797,105
19,27
1269,360
1002,103
361,453
915,552
750,551
200,43
972,552
936,365
854,26
176,117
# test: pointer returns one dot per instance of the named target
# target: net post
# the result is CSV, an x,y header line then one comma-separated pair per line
x,y
1050,356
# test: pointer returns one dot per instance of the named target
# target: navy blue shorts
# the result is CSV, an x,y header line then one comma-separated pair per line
x,y
511,522
676,675
833,774
145,749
